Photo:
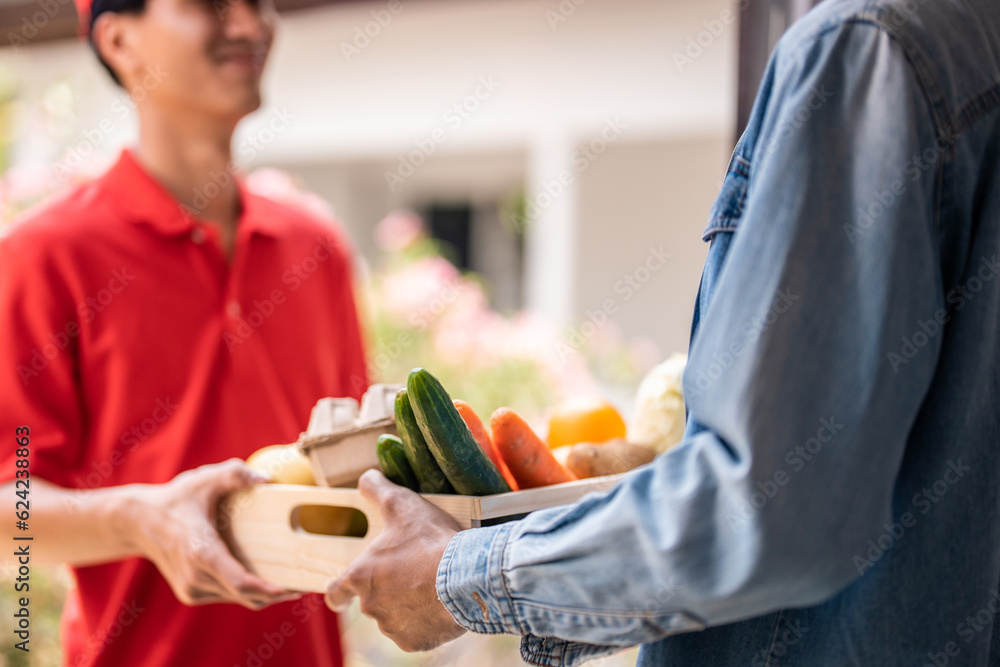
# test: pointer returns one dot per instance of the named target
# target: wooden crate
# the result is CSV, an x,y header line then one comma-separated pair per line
x,y
341,437
262,533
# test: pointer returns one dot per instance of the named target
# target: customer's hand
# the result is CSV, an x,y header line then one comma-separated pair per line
x,y
173,525
395,576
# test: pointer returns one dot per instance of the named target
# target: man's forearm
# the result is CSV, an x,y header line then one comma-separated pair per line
x,y
172,525
80,527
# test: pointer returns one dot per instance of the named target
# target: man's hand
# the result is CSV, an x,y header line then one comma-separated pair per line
x,y
174,526
395,576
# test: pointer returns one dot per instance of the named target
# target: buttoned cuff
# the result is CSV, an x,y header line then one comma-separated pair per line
x,y
470,581
471,585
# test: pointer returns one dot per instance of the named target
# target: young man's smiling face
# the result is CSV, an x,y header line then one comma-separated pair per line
x,y
201,57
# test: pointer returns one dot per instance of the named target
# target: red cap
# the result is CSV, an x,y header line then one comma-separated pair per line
x,y
83,12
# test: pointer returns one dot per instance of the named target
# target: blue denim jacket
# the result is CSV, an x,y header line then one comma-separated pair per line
x,y
836,498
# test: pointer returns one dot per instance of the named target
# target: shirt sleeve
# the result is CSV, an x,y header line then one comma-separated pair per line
x,y
39,372
807,373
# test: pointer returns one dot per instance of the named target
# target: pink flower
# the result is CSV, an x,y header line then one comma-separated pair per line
x,y
571,377
398,231
644,354
421,291
531,337
26,183
456,343
273,183
469,331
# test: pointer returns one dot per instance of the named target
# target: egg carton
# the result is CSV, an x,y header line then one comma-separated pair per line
x,y
340,440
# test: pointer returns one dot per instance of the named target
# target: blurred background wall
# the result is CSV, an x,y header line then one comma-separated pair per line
x,y
611,121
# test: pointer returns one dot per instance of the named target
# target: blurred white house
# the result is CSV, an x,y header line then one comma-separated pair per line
x,y
609,121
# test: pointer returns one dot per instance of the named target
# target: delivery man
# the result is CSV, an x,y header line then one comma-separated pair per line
x,y
836,498
157,324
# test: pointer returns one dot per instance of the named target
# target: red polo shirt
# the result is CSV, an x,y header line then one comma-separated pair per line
x,y
133,350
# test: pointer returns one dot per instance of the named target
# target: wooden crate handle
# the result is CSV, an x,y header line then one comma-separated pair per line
x,y
258,527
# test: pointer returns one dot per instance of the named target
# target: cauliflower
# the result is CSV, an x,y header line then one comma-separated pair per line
x,y
658,420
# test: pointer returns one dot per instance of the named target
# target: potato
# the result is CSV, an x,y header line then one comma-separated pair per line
x,y
610,458
284,463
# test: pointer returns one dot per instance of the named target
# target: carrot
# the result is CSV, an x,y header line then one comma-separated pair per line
x,y
479,432
528,458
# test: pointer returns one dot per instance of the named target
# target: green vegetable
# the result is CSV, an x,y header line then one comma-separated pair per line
x,y
429,476
393,462
450,441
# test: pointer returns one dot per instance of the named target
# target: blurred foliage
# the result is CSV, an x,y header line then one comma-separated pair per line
x,y
48,586
423,312
400,342
8,100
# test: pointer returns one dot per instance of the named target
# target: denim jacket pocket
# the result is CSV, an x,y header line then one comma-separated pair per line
x,y
723,220
728,207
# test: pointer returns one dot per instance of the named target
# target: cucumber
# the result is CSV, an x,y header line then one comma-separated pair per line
x,y
393,462
429,476
451,442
